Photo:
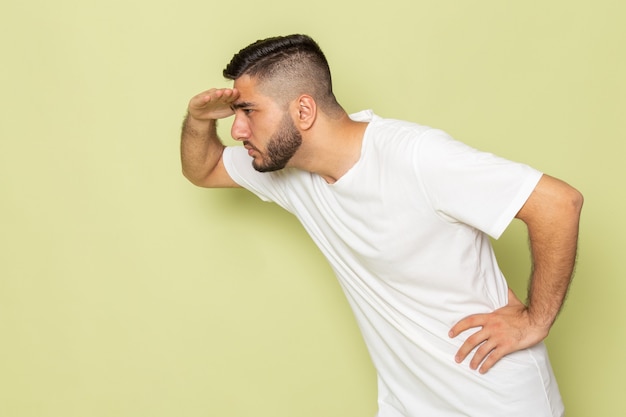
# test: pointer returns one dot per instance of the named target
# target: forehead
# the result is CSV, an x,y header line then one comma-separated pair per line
x,y
245,83
253,91
249,89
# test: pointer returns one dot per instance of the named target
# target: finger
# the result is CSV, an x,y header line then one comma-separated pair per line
x,y
481,353
469,345
492,359
202,97
476,320
229,95
213,94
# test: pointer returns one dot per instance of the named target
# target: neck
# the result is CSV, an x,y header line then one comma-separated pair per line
x,y
330,148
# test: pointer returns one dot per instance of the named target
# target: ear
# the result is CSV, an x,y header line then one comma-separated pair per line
x,y
305,112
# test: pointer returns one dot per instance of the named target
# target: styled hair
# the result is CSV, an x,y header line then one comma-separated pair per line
x,y
289,66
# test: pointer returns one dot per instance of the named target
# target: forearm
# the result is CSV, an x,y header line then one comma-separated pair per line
x,y
200,148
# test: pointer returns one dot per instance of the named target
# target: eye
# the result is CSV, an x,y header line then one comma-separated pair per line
x,y
247,112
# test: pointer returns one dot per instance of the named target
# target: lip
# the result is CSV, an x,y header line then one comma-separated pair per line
x,y
251,149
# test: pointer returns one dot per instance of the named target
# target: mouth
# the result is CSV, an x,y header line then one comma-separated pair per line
x,y
251,149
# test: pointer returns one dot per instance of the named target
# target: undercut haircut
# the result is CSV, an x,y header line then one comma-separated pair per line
x,y
286,67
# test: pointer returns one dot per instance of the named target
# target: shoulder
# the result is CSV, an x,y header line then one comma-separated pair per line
x,y
399,138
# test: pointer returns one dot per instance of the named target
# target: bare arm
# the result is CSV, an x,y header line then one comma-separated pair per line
x,y
552,218
551,214
200,147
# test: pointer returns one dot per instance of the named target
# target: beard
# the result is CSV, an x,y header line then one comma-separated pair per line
x,y
280,148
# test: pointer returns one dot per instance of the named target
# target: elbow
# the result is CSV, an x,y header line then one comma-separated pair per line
x,y
553,206
195,179
563,196
570,205
209,175
576,200
194,176
189,177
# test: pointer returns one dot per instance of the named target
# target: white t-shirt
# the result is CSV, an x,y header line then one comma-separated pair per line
x,y
405,230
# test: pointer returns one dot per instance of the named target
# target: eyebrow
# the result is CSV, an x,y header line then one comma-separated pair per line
x,y
241,105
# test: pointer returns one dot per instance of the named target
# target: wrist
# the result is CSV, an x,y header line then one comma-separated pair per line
x,y
198,127
199,118
539,320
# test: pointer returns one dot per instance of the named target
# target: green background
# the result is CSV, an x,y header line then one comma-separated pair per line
x,y
126,291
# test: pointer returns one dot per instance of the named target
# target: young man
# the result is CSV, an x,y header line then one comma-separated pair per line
x,y
402,212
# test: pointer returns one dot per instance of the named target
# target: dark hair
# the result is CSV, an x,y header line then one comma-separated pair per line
x,y
294,64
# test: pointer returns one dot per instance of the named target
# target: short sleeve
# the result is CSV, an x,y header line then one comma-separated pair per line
x,y
268,186
472,187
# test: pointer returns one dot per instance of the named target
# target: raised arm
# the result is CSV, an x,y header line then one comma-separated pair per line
x,y
200,147
552,215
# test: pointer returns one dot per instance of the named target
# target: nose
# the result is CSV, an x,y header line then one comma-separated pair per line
x,y
240,129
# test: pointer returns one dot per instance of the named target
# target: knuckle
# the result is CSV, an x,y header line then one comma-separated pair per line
x,y
476,338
